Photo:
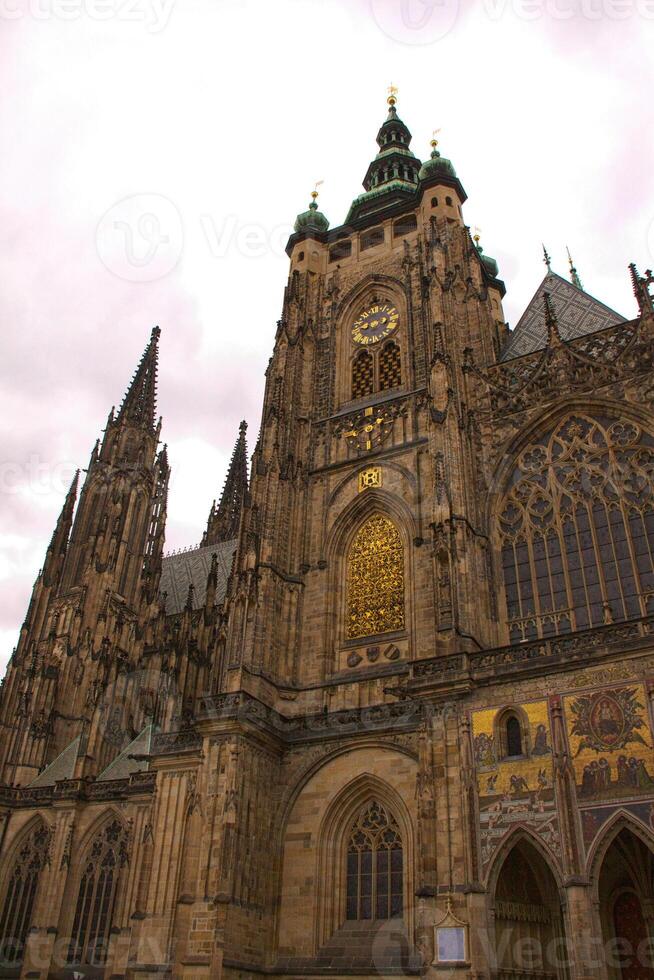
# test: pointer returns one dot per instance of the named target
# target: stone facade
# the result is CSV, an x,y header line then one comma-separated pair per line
x,y
412,730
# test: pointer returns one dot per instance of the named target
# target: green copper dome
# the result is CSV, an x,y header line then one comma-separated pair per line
x,y
311,220
436,165
489,264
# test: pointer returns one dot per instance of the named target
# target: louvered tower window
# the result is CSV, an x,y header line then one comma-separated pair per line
x,y
18,906
96,901
374,865
390,367
577,529
362,375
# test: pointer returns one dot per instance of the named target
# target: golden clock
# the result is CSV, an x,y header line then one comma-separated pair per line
x,y
375,324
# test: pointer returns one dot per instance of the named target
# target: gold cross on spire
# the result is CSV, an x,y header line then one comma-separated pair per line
x,y
314,192
392,94
434,141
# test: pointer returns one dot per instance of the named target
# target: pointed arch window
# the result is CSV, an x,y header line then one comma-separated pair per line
x,y
363,374
577,529
375,865
375,580
390,366
96,900
16,916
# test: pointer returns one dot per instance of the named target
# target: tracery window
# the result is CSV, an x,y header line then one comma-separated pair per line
x,y
390,366
362,375
577,529
375,582
96,901
16,916
374,865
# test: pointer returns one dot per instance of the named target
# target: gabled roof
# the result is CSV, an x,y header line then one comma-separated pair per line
x,y
192,567
577,314
123,765
62,767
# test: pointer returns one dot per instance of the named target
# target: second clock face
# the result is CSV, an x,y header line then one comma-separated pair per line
x,y
375,323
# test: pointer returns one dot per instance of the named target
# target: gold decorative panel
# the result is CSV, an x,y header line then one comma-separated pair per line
x,y
372,477
390,367
362,375
375,584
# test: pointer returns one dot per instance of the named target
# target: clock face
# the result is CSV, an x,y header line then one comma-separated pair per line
x,y
375,323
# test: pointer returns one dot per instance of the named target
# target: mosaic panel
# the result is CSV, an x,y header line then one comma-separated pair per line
x,y
515,790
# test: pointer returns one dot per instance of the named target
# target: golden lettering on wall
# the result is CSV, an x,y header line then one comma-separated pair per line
x,y
375,586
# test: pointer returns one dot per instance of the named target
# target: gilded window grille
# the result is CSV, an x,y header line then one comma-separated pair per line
x,y
363,375
96,900
375,583
390,367
577,529
18,905
374,865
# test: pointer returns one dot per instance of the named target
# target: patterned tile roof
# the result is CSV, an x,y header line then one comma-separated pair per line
x,y
577,312
180,569
62,767
123,766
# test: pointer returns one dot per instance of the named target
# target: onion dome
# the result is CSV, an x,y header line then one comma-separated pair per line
x,y
313,219
436,165
489,264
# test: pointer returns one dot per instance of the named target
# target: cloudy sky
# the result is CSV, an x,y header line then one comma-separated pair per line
x,y
156,152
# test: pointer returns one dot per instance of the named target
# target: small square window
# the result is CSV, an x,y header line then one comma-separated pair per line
x,y
450,944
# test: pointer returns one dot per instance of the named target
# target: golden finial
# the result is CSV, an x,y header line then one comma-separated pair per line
x,y
314,192
433,141
477,235
392,94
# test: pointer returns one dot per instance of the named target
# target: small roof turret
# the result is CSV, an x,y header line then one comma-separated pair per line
x,y
436,164
313,219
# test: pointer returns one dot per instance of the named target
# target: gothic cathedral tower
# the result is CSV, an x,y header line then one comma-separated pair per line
x,y
394,714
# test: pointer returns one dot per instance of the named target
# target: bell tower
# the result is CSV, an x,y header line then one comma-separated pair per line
x,y
362,542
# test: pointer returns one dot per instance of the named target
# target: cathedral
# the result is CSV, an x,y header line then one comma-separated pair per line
x,y
395,715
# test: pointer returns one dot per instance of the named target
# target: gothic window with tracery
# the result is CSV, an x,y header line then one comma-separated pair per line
x,y
375,582
16,916
363,373
577,529
96,900
390,367
374,865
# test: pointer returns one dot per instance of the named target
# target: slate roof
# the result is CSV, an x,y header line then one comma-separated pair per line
x,y
577,313
180,569
123,766
62,767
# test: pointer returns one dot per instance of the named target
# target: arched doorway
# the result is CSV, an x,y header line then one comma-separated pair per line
x,y
626,901
529,931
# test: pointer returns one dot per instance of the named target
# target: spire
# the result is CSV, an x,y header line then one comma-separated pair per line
x,y
59,540
546,259
224,520
553,336
574,277
140,401
395,161
436,165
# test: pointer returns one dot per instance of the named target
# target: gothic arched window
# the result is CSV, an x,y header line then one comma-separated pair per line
x,y
375,579
363,375
577,529
96,900
390,367
374,865
16,916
